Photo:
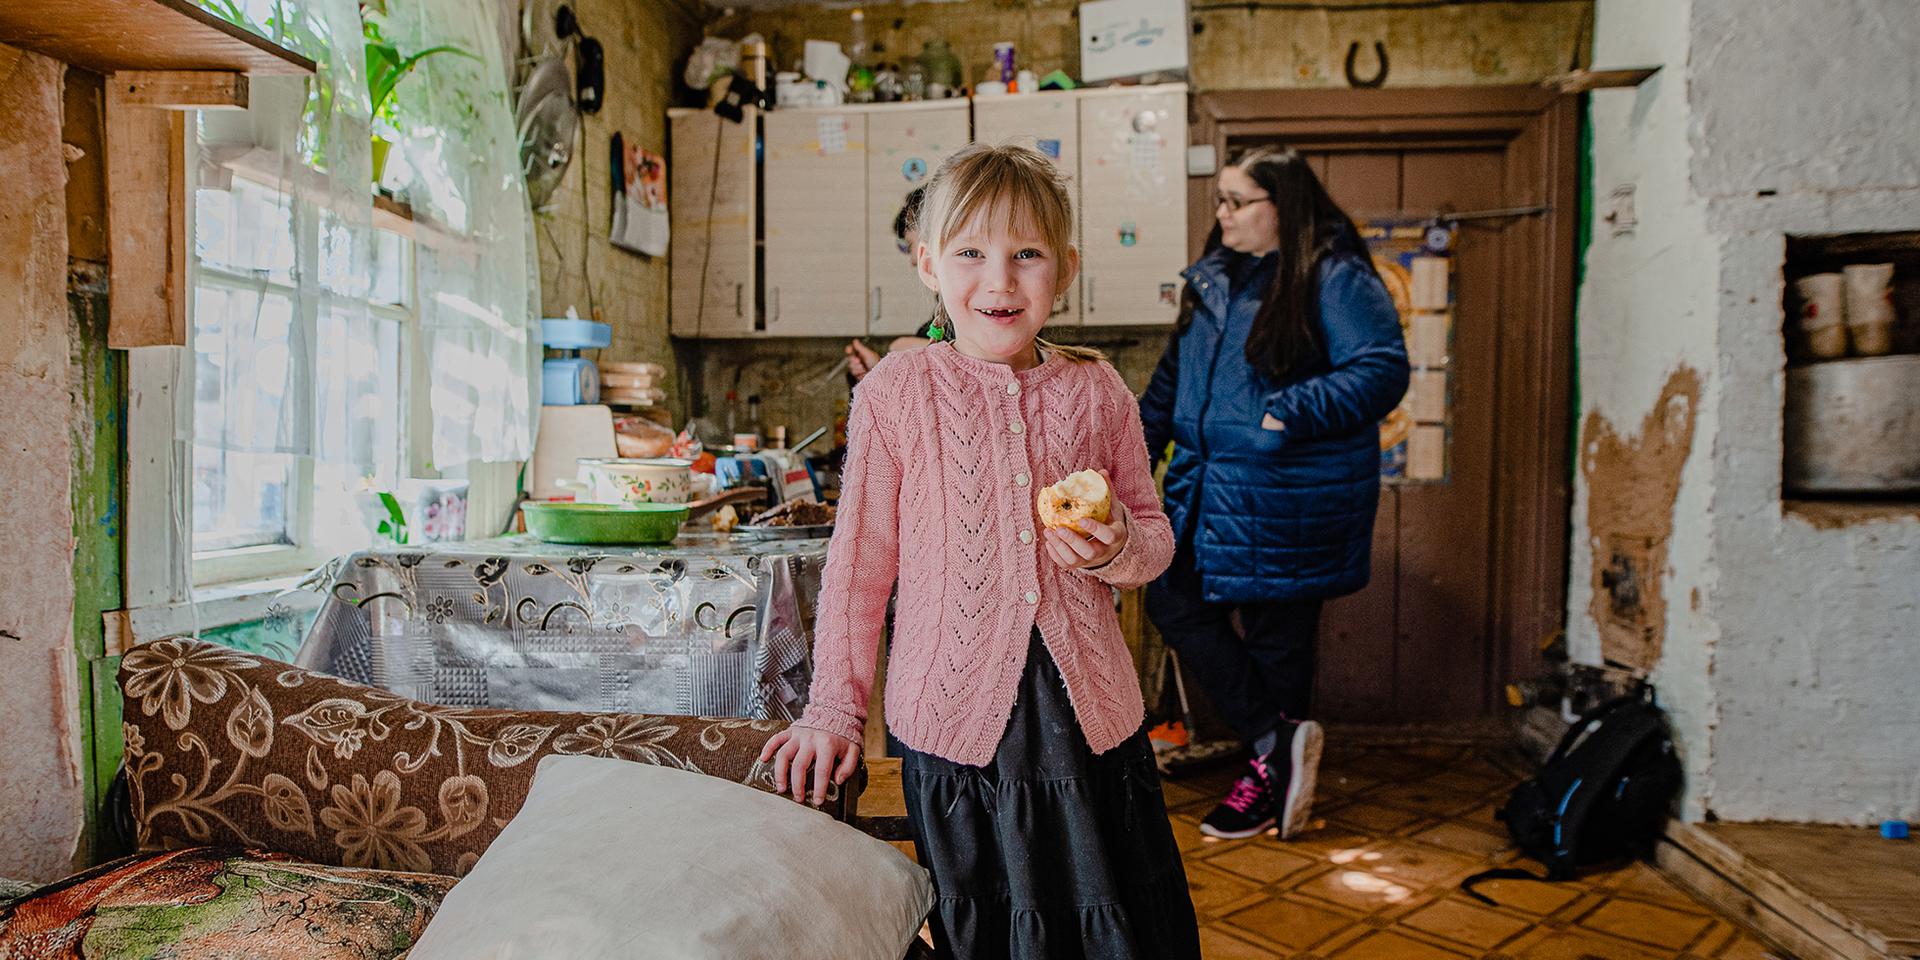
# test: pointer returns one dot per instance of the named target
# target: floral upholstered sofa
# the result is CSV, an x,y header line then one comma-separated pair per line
x,y
284,813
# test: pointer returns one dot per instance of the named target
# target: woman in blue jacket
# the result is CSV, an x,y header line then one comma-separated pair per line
x,y
1287,354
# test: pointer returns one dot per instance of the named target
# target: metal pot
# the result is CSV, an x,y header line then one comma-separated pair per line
x,y
619,480
1853,426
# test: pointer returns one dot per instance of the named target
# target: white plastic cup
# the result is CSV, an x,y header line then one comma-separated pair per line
x,y
989,88
1870,307
1823,314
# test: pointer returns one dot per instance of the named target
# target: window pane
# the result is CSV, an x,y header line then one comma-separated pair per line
x,y
246,230
359,408
239,499
245,370
390,263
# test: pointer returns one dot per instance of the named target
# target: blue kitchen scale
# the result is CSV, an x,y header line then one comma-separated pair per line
x,y
570,379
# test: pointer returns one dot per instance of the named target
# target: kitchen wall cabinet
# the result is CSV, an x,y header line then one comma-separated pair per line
x,y
1050,123
833,178
1133,209
711,203
815,184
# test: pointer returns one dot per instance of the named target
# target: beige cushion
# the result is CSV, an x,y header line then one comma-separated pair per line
x,y
614,859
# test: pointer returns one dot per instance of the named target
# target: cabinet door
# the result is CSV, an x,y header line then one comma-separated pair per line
x,y
905,145
1049,123
815,197
1133,189
712,205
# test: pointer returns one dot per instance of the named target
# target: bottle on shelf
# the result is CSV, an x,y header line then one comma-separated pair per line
x,y
860,71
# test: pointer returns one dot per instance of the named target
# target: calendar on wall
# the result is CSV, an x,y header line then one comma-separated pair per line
x,y
1415,262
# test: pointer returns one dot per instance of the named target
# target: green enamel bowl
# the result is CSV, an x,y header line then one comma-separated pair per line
x,y
605,522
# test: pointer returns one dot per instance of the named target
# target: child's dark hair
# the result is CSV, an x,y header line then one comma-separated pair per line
x,y
909,216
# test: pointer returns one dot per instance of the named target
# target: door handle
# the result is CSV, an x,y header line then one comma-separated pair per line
x,y
738,290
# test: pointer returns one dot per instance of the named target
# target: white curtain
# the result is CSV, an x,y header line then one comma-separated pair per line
x,y
459,165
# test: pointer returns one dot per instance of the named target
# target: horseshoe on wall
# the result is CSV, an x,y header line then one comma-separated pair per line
x,y
1353,53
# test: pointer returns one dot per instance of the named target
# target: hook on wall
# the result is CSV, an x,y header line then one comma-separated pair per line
x,y
1380,77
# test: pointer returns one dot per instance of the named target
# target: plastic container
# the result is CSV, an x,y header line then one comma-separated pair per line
x,y
565,333
604,523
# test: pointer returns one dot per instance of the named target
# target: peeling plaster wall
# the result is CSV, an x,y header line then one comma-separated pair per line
x,y
1786,648
41,810
1646,311
1819,628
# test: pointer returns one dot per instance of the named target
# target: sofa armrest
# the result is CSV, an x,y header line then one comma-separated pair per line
x,y
229,747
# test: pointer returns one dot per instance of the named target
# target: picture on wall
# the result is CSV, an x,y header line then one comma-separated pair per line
x,y
1414,262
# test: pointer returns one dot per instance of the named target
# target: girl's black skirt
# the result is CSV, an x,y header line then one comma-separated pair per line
x,y
1050,852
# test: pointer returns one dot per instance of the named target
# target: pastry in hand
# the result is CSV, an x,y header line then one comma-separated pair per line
x,y
1081,496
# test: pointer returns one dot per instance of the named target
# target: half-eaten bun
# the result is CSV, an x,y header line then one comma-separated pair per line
x,y
1080,496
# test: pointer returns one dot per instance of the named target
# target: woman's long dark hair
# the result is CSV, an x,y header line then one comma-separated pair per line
x,y
1285,335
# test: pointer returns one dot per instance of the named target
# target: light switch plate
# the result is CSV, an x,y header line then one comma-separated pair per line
x,y
1202,161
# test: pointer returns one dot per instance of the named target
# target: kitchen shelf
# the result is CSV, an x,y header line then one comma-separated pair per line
x,y
111,35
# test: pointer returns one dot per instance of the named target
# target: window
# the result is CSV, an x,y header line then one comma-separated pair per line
x,y
278,375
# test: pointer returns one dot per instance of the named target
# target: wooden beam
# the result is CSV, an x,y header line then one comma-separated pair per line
x,y
105,36
182,89
1580,81
146,224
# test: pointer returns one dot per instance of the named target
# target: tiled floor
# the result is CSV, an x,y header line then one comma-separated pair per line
x,y
1375,876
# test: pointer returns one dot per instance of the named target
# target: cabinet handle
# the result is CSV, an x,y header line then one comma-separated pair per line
x,y
738,290
1090,294
877,291
776,304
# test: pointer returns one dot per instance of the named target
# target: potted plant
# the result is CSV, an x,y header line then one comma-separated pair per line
x,y
386,67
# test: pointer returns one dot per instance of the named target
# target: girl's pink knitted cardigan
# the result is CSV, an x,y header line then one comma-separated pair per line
x,y
945,456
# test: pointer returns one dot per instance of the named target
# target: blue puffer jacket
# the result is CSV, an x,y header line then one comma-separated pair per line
x,y
1276,515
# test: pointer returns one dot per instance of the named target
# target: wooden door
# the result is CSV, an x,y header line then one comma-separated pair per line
x,y
1468,572
1049,123
711,201
905,145
1133,213
815,193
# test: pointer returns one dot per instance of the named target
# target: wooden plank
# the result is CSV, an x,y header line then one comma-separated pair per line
x,y
1580,81
1771,905
882,808
109,35
1445,653
147,243
815,191
904,148
182,89
1354,679
1849,875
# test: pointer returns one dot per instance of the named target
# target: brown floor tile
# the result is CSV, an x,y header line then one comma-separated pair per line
x,y
1743,946
1216,944
1416,865
1575,944
1427,799
1646,923
1213,889
1394,946
1186,833
1463,838
1642,882
1263,861
1374,818
1357,889
1292,923
1527,896
1469,923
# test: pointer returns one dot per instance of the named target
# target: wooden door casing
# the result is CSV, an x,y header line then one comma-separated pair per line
x,y
1469,575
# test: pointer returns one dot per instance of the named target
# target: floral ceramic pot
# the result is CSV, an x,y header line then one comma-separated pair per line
x,y
653,480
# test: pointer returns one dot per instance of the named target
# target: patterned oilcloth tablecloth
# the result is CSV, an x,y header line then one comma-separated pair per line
x,y
710,626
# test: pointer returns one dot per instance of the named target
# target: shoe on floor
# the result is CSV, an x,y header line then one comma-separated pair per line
x,y
1248,808
1292,769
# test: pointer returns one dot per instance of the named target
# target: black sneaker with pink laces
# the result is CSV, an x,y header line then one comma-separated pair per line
x,y
1248,808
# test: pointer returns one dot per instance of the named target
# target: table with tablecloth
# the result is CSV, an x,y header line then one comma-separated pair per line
x,y
712,625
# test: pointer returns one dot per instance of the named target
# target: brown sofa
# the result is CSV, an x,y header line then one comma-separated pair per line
x,y
303,816
229,748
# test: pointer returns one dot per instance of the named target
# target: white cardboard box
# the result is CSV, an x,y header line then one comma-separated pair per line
x,y
1127,38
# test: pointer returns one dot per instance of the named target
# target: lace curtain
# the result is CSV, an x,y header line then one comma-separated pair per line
x,y
290,354
458,162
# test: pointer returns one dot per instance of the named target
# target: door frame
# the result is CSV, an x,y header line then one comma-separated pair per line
x,y
1533,443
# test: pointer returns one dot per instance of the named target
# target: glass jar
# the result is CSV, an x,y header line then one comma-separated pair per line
x,y
942,67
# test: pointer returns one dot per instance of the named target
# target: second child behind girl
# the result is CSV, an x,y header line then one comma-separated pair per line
x,y
1030,786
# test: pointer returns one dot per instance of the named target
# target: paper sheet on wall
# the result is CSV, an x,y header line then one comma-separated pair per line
x,y
640,220
833,134
1411,257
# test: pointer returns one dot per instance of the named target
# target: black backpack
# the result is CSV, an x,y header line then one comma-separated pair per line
x,y
1600,796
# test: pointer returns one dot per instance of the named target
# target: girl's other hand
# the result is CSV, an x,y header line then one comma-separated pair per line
x,y
1095,544
860,359
808,757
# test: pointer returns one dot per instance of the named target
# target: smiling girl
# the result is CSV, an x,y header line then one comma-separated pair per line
x,y
1031,789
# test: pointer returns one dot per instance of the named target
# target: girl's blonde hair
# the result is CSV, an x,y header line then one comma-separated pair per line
x,y
1019,182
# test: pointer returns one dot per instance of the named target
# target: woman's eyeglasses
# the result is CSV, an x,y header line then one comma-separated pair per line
x,y
1235,203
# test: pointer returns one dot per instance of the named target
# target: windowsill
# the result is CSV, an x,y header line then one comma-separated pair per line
x,y
216,605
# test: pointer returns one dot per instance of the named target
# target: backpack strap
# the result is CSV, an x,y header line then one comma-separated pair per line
x,y
1501,873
